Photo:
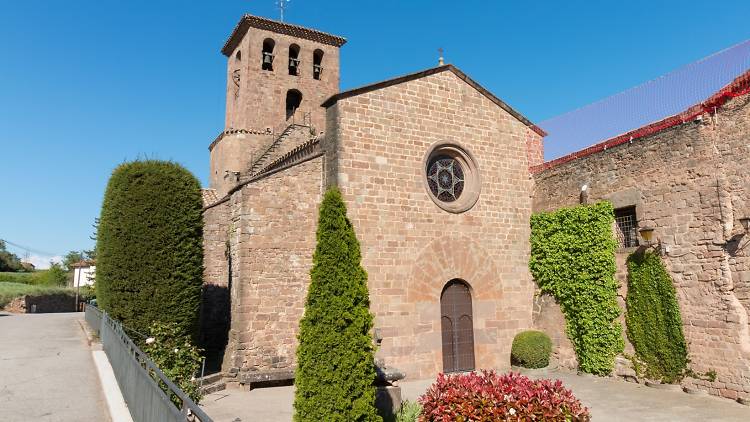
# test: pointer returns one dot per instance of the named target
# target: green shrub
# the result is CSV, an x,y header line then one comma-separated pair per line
x,y
174,354
335,363
653,320
409,411
54,276
149,246
531,349
573,259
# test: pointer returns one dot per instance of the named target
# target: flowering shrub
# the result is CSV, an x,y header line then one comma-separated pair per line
x,y
173,352
487,396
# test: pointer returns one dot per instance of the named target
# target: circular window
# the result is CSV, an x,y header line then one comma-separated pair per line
x,y
452,177
446,178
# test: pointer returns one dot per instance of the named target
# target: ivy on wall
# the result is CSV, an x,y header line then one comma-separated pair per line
x,y
653,320
573,259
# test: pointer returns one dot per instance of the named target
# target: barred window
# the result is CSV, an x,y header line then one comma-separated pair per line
x,y
627,227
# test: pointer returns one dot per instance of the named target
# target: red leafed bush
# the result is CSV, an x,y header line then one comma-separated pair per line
x,y
487,396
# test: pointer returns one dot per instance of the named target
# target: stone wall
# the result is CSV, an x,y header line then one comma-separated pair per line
x,y
411,248
42,304
231,156
691,183
272,223
216,302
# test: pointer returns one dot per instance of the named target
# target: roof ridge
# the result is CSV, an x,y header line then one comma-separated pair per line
x,y
431,71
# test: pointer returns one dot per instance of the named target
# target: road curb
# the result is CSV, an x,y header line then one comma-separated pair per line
x,y
118,409
91,338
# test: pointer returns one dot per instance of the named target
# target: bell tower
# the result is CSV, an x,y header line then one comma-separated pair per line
x,y
278,74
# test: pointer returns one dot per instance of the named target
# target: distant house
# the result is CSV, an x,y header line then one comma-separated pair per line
x,y
28,266
83,273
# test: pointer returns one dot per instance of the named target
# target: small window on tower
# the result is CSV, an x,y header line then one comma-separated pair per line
x,y
317,63
268,45
293,100
627,227
294,59
238,56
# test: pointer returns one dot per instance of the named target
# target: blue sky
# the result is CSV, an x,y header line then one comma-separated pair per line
x,y
86,85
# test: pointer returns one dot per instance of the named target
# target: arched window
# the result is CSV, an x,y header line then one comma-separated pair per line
x,y
294,59
317,63
268,45
293,100
238,56
457,327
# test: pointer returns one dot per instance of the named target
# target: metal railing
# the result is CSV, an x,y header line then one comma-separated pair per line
x,y
137,376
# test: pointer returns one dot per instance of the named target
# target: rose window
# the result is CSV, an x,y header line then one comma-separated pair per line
x,y
445,178
451,177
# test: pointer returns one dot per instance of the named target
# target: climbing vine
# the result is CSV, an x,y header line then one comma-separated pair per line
x,y
653,320
573,259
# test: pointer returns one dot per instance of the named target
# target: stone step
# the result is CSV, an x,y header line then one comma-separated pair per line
x,y
212,383
212,388
210,379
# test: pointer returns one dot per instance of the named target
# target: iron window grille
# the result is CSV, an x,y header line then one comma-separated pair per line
x,y
627,227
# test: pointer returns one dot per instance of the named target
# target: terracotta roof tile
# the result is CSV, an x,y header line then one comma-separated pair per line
x,y
209,196
250,21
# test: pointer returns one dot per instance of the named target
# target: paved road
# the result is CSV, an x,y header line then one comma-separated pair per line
x,y
47,373
609,401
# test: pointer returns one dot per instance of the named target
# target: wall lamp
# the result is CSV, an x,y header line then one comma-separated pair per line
x,y
647,233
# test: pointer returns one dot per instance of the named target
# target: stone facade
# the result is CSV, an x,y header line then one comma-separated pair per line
x,y
690,182
411,248
266,186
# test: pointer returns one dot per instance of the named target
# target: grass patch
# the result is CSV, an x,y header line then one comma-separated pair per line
x,y
10,291
55,276
25,278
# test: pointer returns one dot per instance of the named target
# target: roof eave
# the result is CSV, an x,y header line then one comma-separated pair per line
x,y
248,21
431,71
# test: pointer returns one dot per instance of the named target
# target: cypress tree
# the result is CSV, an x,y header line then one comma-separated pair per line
x,y
335,362
149,246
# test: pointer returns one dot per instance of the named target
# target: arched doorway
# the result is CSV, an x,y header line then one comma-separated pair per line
x,y
457,327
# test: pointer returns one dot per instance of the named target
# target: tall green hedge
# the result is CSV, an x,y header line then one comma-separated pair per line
x,y
654,324
335,362
149,244
573,259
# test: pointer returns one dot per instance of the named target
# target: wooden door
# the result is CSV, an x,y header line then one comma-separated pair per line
x,y
457,327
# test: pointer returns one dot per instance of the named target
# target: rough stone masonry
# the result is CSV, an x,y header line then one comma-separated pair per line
x,y
691,183
440,178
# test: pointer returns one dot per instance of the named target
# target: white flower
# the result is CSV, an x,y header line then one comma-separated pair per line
x,y
176,350
512,411
150,340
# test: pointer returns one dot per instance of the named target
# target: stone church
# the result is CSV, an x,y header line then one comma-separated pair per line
x,y
440,178
435,173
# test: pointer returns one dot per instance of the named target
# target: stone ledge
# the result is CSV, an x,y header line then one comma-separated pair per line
x,y
260,377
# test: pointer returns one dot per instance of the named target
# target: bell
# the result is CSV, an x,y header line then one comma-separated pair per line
x,y
267,58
